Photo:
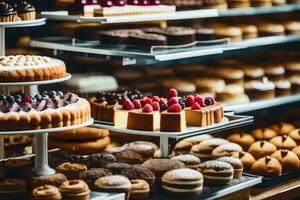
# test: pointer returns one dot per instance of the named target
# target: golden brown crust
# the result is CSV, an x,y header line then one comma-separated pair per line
x,y
86,133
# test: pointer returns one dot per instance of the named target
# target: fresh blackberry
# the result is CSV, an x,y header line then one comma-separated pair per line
x,y
181,102
163,107
208,101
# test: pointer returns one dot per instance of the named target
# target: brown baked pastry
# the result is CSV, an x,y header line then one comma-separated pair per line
x,y
182,86
224,31
261,3
228,149
71,170
140,190
283,88
232,94
235,163
266,29
283,142
138,172
46,192
13,189
55,179
75,189
278,2
260,90
30,68
296,150
91,175
295,80
247,159
262,148
253,73
205,148
129,157
238,3
144,148
282,128
231,75
288,159
190,161
263,133
184,146
292,68
243,139
215,4
274,72
267,167
209,84
249,31
295,135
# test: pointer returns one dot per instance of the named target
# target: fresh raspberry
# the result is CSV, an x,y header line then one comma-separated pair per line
x,y
148,108
143,2
200,101
196,106
172,101
154,2
162,101
209,101
156,106
128,105
147,101
172,93
26,99
106,3
155,99
189,101
175,108
119,2
133,2
137,104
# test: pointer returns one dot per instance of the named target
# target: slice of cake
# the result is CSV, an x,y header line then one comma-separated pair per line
x,y
173,119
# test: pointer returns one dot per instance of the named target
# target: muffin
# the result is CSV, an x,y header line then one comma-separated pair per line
x,y
71,170
13,189
26,11
183,182
243,139
228,149
282,128
190,161
267,167
288,159
46,192
7,13
140,190
232,94
260,90
295,135
263,134
247,159
54,179
216,172
235,163
283,142
75,190
205,148
114,184
184,146
91,175
261,149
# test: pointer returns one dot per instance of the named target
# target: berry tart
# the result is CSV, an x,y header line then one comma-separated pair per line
x,y
47,110
22,68
7,13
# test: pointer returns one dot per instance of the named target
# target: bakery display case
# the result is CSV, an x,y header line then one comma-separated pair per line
x,y
176,99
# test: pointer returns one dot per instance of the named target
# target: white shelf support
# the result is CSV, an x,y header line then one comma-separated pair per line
x,y
164,146
2,53
41,155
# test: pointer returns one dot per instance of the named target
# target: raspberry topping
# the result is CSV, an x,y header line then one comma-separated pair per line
x,y
189,101
106,3
133,2
137,104
200,101
143,2
172,93
119,2
128,105
162,101
147,101
26,99
172,101
175,108
148,108
196,106
154,2
155,99
156,106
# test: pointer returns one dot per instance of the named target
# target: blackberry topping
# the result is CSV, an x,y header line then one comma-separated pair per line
x,y
111,101
163,107
2,97
38,97
181,102
60,93
45,96
25,6
52,94
208,102
10,99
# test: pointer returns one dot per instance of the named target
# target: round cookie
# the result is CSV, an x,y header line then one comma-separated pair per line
x,y
129,157
263,134
262,148
243,139
295,135
87,147
283,142
86,133
55,179
99,160
75,189
183,182
190,161
46,192
282,128
267,167
116,168
91,175
247,159
288,159
139,172
216,172
235,163
13,189
144,148
228,149
184,146
71,170
140,189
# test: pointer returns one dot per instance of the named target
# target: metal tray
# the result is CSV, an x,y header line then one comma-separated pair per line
x,y
210,193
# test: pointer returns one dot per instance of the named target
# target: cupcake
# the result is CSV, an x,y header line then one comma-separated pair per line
x,y
46,192
71,170
75,190
7,13
25,10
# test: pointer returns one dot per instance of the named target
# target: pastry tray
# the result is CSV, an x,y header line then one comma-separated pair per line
x,y
230,121
267,182
215,192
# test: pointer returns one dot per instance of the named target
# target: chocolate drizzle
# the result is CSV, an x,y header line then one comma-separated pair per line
x,y
268,159
284,152
6,9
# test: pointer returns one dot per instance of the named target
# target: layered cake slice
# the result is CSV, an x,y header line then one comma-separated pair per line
x,y
173,119
146,119
121,112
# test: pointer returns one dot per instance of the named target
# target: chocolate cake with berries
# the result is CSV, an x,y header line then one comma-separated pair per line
x,y
46,110
22,68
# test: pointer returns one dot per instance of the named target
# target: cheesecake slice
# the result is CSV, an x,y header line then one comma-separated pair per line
x,y
173,119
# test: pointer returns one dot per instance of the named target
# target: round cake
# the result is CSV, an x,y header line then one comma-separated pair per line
x,y
42,111
27,68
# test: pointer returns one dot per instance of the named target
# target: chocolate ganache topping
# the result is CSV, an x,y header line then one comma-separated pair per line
x,y
6,9
24,6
